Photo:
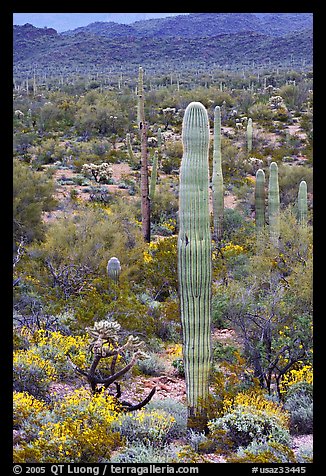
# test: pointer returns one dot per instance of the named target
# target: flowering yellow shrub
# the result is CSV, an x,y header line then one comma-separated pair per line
x,y
257,402
24,359
148,426
78,429
293,376
62,344
26,406
232,250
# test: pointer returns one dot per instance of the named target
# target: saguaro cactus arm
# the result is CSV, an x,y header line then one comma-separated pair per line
x,y
194,260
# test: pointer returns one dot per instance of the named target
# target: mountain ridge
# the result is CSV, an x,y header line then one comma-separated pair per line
x,y
225,39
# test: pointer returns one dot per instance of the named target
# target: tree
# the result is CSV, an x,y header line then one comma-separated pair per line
x,y
32,194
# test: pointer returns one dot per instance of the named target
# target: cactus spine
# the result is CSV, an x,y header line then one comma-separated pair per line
x,y
260,199
145,201
302,203
153,176
114,269
249,135
217,177
274,203
194,260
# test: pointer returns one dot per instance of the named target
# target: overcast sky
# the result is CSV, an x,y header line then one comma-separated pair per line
x,y
69,21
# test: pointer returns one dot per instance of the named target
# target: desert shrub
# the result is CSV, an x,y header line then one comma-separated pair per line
x,y
304,454
32,373
179,366
32,194
289,180
251,417
219,304
77,429
299,404
153,366
146,426
175,409
263,452
26,407
54,347
160,267
224,352
172,156
138,452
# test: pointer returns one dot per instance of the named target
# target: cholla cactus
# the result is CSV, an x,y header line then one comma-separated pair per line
x,y
103,332
114,269
102,172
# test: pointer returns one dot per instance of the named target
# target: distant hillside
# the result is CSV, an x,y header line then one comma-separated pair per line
x,y
206,24
194,38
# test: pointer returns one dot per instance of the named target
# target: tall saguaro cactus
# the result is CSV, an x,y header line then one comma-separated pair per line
x,y
260,199
194,261
302,203
274,204
249,135
217,177
145,201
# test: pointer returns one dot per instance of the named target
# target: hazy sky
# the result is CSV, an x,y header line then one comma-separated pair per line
x,y
69,21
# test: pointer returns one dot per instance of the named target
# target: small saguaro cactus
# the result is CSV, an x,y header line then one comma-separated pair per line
x,y
302,203
217,177
114,269
194,261
129,148
274,204
249,135
260,199
153,176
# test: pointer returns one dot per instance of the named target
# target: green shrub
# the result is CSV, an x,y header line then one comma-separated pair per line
x,y
299,404
140,453
263,452
177,410
146,426
153,366
243,425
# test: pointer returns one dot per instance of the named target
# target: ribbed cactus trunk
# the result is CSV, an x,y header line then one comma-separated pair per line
x,y
249,135
302,204
114,269
145,201
217,177
153,176
194,261
129,148
274,204
260,199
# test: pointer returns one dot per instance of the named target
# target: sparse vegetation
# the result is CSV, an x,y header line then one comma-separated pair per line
x,y
100,358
